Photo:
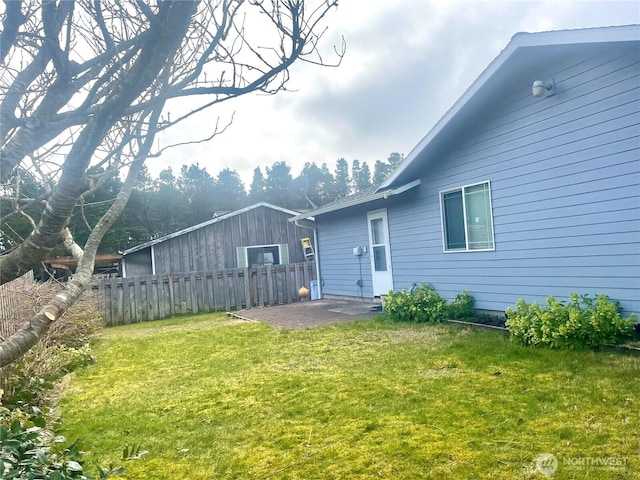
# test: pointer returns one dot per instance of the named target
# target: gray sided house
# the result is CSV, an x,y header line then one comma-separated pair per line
x,y
510,195
256,235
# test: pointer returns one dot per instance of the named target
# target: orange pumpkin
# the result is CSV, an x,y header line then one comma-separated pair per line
x,y
303,292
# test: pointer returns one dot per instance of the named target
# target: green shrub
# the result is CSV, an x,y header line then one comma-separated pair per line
x,y
582,322
28,451
33,375
421,305
462,307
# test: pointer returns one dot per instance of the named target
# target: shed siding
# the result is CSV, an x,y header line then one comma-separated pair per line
x,y
213,246
565,187
138,263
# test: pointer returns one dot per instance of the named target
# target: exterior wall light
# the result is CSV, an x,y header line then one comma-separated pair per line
x,y
542,89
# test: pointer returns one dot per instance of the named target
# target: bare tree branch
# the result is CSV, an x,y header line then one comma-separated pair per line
x,y
11,24
20,342
85,84
74,249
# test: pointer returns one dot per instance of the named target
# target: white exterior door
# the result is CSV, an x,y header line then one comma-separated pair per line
x,y
379,252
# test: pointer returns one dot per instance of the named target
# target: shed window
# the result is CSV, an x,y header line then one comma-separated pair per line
x,y
467,221
258,255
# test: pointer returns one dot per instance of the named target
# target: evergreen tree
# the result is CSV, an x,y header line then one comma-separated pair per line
x,y
381,171
395,159
16,227
229,194
173,212
258,187
319,184
342,181
355,174
137,222
360,176
197,186
326,188
277,184
364,179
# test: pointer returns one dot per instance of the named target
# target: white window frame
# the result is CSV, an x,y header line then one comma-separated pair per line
x,y
464,215
242,252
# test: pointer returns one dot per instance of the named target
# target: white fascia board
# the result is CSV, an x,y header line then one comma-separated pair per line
x,y
623,33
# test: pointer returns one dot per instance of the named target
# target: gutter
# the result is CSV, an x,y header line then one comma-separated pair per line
x,y
357,201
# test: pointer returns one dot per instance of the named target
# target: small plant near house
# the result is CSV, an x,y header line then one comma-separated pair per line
x,y
582,322
421,305
462,307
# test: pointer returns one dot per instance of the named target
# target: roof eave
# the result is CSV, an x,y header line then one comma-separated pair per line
x,y
626,33
357,201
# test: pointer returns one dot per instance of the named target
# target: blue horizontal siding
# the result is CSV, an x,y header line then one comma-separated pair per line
x,y
566,200
595,82
339,268
578,142
510,264
565,183
591,108
585,198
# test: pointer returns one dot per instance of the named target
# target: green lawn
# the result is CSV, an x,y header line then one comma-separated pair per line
x,y
214,398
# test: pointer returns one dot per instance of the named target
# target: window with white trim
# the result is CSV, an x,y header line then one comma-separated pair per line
x,y
467,221
258,255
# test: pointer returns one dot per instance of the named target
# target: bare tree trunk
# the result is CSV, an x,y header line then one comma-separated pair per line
x,y
158,50
20,342
82,90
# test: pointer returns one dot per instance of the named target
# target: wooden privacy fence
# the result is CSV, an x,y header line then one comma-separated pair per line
x,y
153,297
13,311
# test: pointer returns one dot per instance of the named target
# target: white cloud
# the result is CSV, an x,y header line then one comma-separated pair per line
x,y
407,63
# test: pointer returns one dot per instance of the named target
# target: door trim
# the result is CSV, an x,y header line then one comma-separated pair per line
x,y
380,213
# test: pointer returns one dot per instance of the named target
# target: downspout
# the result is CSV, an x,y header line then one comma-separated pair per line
x,y
316,255
153,261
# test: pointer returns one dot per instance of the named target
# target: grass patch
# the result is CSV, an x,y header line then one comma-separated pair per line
x,y
214,398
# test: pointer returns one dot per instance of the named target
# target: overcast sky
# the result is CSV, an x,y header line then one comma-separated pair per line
x,y
407,62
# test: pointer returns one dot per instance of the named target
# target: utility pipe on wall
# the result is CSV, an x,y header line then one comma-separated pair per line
x,y
316,255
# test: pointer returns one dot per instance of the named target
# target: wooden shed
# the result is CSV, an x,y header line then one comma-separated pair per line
x,y
256,235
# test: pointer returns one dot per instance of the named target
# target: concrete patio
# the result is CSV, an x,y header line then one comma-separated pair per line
x,y
313,313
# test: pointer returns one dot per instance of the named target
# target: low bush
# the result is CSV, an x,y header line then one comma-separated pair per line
x,y
76,328
462,307
422,304
64,348
29,451
33,375
582,322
